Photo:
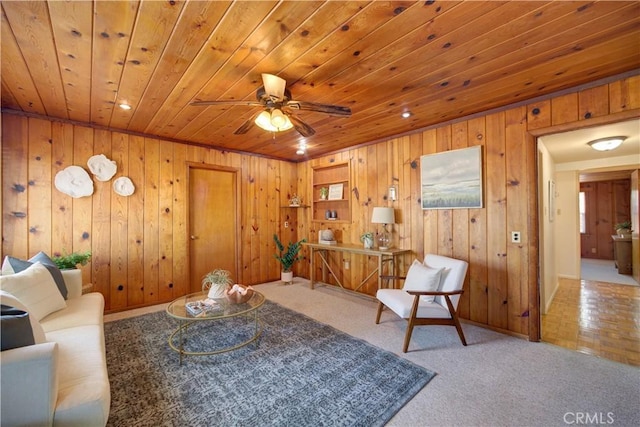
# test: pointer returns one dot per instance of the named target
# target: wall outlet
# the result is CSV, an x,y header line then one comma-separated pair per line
x,y
515,237
347,264
286,224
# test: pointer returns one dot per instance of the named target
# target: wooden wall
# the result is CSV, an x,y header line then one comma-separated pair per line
x,y
501,289
140,243
607,203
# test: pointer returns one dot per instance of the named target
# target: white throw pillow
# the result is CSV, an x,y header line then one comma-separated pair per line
x,y
38,333
422,278
36,289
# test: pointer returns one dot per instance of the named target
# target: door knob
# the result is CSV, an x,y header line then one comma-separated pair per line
x,y
193,237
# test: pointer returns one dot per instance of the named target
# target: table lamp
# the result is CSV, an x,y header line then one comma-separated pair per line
x,y
383,216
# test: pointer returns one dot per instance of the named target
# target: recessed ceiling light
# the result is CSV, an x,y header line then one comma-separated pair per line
x,y
406,114
125,106
606,144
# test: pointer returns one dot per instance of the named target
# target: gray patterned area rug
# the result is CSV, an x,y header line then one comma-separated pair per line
x,y
298,373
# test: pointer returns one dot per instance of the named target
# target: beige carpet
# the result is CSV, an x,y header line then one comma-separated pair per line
x,y
497,380
604,270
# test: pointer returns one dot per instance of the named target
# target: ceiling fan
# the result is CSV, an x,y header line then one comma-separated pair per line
x,y
277,108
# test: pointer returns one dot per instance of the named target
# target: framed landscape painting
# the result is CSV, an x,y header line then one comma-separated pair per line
x,y
452,179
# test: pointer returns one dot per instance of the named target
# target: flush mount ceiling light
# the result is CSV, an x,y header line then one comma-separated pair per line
x,y
406,114
606,144
125,106
274,121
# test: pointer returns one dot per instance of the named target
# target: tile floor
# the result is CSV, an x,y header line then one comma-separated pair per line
x,y
598,318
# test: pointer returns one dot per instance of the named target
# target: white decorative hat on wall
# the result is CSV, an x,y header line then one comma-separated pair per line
x,y
101,167
74,181
123,186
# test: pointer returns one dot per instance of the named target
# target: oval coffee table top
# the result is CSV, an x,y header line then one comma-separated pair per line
x,y
219,308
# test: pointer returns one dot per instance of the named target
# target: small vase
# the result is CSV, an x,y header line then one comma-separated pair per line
x,y
217,291
368,242
286,277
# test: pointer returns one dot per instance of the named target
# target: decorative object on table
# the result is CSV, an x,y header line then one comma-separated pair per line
x,y
101,167
74,181
123,186
334,215
295,200
287,258
385,216
203,307
452,179
216,282
624,229
326,237
367,240
324,193
72,260
239,294
327,214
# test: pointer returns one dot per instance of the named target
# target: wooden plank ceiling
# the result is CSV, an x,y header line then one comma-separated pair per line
x,y
438,59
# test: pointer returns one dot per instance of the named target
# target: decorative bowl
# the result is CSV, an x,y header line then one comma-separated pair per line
x,y
238,294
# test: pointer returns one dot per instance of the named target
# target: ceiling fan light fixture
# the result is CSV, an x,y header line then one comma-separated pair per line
x,y
278,119
606,144
265,121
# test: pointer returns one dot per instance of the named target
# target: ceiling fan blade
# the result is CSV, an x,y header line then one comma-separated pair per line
x,y
335,110
302,128
227,102
246,126
274,86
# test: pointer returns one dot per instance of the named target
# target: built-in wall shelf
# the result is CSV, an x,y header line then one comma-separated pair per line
x,y
335,178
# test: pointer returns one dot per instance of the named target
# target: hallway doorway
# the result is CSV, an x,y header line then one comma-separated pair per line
x,y
582,308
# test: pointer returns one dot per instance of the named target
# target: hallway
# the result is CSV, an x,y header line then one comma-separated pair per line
x,y
597,318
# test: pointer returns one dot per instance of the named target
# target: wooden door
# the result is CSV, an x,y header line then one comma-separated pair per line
x,y
213,206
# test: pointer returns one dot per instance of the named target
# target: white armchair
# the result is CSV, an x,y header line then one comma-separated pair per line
x,y
430,294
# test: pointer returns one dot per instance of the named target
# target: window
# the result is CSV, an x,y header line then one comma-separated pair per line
x,y
582,207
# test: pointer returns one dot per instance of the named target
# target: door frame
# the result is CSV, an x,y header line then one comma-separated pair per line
x,y
533,135
237,225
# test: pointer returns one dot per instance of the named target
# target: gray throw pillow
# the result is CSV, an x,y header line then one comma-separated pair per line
x,y
15,328
18,265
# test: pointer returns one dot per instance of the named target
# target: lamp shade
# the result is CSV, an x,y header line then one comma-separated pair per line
x,y
268,121
382,215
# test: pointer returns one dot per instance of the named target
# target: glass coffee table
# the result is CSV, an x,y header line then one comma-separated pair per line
x,y
211,322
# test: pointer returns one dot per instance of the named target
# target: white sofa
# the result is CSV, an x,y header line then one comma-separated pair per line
x,y
63,381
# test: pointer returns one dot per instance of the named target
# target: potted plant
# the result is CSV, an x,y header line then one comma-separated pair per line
x,y
216,282
624,228
324,193
367,240
287,258
72,260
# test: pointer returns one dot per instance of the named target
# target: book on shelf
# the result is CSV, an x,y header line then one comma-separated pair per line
x,y
203,307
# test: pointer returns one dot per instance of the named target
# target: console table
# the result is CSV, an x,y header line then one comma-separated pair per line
x,y
622,254
384,256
